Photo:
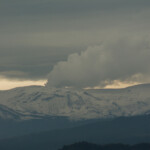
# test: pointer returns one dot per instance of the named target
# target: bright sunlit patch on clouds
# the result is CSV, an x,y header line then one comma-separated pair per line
x,y
116,84
6,84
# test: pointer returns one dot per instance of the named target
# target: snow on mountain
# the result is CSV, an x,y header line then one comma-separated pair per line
x,y
36,102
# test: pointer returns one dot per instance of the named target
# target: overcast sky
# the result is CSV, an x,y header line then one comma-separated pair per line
x,y
81,43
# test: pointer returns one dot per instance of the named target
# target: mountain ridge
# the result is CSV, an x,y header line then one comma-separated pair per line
x,y
38,101
126,130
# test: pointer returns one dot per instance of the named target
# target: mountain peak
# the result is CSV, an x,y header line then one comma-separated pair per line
x,y
38,101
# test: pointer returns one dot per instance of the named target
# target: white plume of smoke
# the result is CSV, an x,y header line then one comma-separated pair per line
x,y
125,60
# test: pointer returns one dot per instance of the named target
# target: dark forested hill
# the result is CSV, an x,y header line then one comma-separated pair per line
x,y
126,130
90,146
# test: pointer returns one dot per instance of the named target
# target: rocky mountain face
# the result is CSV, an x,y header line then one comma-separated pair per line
x,y
37,102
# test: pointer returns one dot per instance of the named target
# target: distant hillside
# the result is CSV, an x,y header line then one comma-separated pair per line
x,y
126,130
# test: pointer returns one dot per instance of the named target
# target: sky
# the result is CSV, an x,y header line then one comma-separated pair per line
x,y
74,43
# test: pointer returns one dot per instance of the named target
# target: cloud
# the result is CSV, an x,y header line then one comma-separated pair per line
x,y
36,34
30,63
9,84
124,59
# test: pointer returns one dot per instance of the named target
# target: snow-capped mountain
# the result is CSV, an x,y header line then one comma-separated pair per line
x,y
37,102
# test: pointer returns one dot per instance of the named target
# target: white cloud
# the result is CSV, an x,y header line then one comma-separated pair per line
x,y
121,59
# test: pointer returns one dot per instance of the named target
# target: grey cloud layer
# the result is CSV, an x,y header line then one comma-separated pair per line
x,y
31,63
36,34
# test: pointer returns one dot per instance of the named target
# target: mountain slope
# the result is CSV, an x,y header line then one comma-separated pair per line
x,y
127,130
38,102
12,128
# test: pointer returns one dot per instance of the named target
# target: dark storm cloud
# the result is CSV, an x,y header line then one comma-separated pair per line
x,y
30,62
36,34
